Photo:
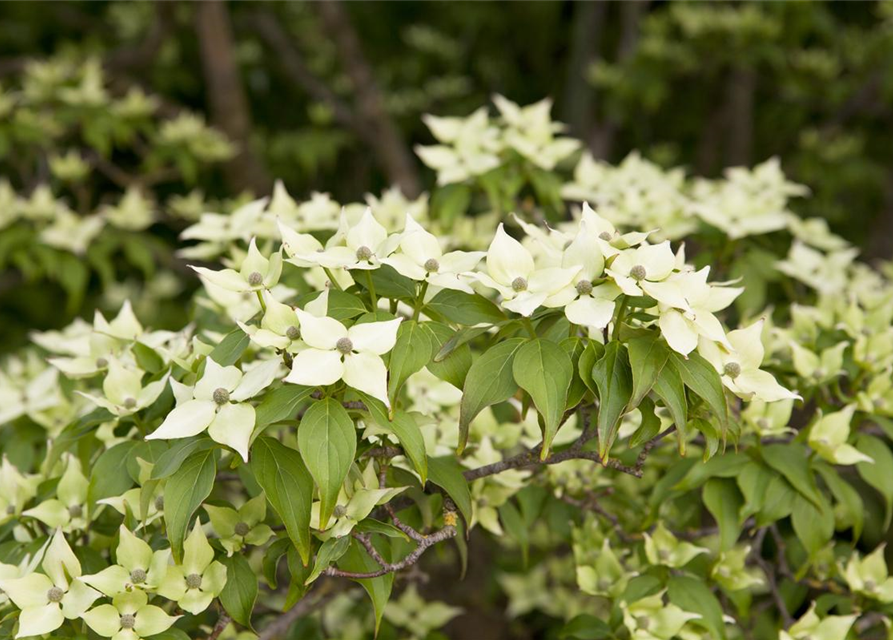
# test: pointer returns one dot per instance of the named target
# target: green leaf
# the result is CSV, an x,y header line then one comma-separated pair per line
x,y
184,492
272,556
513,524
591,354
724,466
880,474
390,284
454,367
327,440
357,560
281,473
574,348
405,428
790,461
778,502
723,501
240,591
341,305
670,389
700,376
614,380
650,426
447,474
813,525
412,351
450,202
693,594
281,404
109,476
329,553
370,525
465,308
230,348
489,381
586,627
647,357
544,370
753,481
847,497
147,359
172,459
458,339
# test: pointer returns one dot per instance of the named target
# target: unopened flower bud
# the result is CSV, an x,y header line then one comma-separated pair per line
x,y
344,345
220,395
339,511
129,403
364,253
732,369
255,279
519,284
159,503
101,363
241,529
55,594
584,287
638,272
75,511
432,265
292,333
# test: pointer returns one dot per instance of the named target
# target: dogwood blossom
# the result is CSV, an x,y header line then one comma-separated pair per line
x,y
238,528
651,619
811,627
124,390
218,403
663,548
337,353
469,147
512,272
68,510
256,272
531,132
199,579
359,246
139,567
47,599
869,576
422,259
129,617
644,270
828,437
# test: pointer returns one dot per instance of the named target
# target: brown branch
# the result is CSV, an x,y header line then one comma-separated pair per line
x,y
222,623
307,605
393,153
449,531
780,604
228,102
648,446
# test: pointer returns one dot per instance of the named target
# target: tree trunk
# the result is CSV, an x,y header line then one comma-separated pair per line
x,y
228,104
579,94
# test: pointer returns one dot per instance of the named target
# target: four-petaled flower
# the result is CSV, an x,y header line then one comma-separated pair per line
x,y
256,272
199,579
129,617
337,353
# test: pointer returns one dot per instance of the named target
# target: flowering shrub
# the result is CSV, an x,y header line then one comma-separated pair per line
x,y
682,383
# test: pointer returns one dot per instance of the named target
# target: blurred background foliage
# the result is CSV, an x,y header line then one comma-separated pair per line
x,y
104,109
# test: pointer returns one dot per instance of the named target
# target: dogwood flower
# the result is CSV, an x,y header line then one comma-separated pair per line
x,y
219,230
16,489
419,616
869,576
138,569
878,395
256,272
768,419
278,327
531,132
68,510
338,353
129,617
644,270
237,529
663,548
361,246
469,148
199,579
740,368
124,390
585,304
47,599
422,259
824,272
651,619
218,403
730,570
683,328
811,627
829,434
818,368
606,576
512,272
20,396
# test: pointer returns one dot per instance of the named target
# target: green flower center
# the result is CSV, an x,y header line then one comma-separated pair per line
x,y
604,235
241,528
603,584
159,503
129,403
584,287
137,576
638,272
870,585
732,369
643,622
55,594
344,345
519,284
340,511
75,511
292,333
193,581
364,253
221,395
432,265
10,510
101,363
663,554
255,278
127,621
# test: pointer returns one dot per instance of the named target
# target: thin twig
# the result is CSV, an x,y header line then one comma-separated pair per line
x,y
646,449
222,623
